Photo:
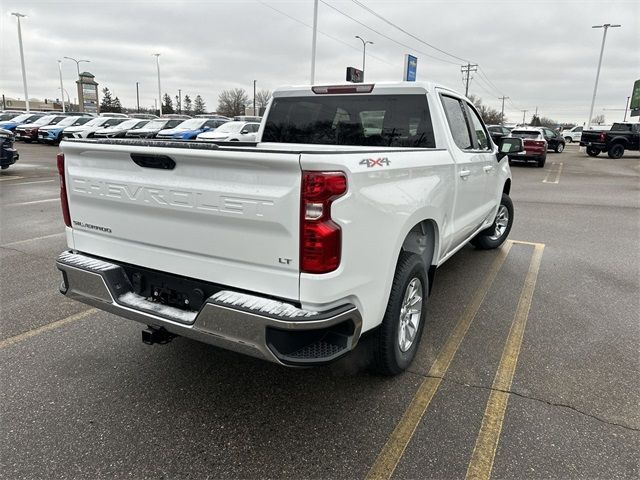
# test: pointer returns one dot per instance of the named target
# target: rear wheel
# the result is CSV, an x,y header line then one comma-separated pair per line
x,y
496,234
568,139
542,160
398,337
593,151
616,151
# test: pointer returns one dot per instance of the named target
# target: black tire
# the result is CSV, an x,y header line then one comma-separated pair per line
x,y
559,147
388,359
4,167
593,151
568,139
542,160
616,151
487,239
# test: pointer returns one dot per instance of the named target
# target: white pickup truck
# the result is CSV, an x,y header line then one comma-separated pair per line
x,y
289,249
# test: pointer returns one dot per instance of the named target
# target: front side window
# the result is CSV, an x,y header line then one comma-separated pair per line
x,y
361,120
457,122
482,137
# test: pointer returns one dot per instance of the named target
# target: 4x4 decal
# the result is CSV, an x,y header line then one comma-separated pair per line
x,y
375,162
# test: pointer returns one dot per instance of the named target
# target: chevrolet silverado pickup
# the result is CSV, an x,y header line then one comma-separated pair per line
x,y
621,137
290,249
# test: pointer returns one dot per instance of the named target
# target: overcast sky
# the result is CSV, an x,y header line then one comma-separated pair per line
x,y
540,53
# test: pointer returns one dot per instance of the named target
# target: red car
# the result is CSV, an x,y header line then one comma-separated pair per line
x,y
29,131
535,146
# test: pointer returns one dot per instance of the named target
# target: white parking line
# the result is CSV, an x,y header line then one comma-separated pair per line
x,y
20,242
31,183
551,172
46,200
4,179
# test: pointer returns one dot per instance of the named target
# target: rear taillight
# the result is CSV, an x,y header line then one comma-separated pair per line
x,y
63,191
320,237
602,136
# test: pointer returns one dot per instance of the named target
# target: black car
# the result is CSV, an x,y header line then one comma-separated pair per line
x,y
497,132
8,154
554,139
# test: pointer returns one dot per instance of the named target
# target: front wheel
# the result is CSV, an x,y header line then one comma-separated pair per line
x,y
616,151
559,148
593,152
496,234
398,336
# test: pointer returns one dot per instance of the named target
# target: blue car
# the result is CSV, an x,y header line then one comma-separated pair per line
x,y
52,134
20,120
190,129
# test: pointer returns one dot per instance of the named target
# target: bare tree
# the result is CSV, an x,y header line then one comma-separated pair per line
x,y
598,119
262,98
232,102
490,115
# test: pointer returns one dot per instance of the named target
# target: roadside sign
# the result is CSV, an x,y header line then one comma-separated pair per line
x,y
354,75
635,100
410,68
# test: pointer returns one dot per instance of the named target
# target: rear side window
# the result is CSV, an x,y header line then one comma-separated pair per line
x,y
364,120
454,111
621,127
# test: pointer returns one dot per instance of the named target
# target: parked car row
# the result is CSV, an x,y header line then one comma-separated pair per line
x,y
536,142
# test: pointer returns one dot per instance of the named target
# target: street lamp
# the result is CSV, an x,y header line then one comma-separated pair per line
x,y
364,51
61,86
157,55
606,27
24,72
78,62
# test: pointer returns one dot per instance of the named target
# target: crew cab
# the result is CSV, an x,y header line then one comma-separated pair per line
x,y
621,137
291,249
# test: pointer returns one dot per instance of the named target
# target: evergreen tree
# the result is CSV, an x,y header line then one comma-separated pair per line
x,y
116,106
106,104
199,106
167,104
187,107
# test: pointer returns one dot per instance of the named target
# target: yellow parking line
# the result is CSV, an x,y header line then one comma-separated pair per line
x,y
46,328
484,451
523,242
4,179
393,450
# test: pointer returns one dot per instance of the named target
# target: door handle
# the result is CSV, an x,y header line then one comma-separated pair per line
x,y
487,168
465,173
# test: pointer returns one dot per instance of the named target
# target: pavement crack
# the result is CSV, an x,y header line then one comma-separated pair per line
x,y
528,397
25,253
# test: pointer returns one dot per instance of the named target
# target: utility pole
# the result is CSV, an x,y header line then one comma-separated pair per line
x,y
503,98
313,41
179,101
254,98
61,86
524,114
24,72
364,51
138,97
626,107
157,55
466,70
606,27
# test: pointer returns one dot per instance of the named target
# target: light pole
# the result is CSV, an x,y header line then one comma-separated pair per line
x,y
313,41
254,98
61,86
606,27
364,51
78,62
137,97
626,107
179,101
24,72
157,55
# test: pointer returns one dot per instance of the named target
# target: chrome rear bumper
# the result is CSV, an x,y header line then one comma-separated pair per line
x,y
248,324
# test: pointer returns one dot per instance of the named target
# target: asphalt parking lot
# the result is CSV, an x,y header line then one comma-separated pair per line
x,y
529,365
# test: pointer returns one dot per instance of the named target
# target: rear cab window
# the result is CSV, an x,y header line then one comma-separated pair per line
x,y
358,120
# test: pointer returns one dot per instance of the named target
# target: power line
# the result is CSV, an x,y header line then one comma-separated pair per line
x,y
386,36
372,12
321,32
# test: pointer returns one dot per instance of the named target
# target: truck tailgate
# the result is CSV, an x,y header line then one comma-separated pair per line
x,y
224,216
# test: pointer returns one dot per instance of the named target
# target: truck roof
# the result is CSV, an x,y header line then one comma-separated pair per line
x,y
396,88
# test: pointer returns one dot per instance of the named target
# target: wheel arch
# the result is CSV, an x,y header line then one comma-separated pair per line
x,y
423,240
507,187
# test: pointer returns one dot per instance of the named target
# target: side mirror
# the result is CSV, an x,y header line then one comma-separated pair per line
x,y
244,132
508,146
